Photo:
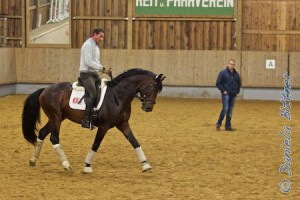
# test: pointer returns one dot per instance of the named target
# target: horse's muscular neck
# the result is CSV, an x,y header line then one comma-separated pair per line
x,y
131,86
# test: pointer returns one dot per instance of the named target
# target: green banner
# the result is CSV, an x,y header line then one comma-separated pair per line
x,y
185,7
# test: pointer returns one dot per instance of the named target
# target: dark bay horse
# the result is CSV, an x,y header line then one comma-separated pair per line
x,y
114,112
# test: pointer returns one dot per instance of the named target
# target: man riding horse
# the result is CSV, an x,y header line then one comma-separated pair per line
x,y
89,68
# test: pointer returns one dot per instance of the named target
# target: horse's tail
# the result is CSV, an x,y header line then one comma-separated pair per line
x,y
31,115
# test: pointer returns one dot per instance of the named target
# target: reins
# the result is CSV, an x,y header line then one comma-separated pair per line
x,y
117,83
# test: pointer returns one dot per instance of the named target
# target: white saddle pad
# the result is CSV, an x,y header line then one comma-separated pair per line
x,y
78,92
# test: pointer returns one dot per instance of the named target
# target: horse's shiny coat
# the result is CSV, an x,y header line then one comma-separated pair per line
x,y
115,112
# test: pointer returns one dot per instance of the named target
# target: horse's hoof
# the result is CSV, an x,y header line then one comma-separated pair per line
x,y
67,166
148,171
87,170
32,163
147,168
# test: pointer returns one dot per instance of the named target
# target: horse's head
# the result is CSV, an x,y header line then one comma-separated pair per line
x,y
148,92
144,84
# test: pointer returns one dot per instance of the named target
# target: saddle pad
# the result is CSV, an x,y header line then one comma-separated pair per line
x,y
76,95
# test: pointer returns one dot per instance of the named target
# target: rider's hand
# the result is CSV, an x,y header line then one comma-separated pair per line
x,y
106,70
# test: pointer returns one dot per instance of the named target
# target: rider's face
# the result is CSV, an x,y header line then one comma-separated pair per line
x,y
98,37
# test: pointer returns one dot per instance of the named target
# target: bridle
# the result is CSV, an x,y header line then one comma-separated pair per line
x,y
143,98
145,91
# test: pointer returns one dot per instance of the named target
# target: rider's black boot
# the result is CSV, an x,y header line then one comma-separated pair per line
x,y
87,122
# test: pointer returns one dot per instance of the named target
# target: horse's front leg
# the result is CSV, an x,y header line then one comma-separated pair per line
x,y
54,138
89,157
126,130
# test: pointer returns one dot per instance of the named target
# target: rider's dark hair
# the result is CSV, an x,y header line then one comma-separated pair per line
x,y
97,31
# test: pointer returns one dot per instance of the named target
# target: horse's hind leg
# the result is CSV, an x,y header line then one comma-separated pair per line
x,y
39,143
126,130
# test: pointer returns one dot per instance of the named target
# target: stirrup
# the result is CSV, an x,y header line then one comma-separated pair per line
x,y
87,124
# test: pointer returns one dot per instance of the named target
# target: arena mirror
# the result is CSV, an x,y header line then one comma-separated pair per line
x,y
48,23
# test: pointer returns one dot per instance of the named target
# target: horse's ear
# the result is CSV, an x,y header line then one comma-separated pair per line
x,y
160,77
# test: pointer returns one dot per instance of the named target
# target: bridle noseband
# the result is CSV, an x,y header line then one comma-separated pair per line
x,y
145,98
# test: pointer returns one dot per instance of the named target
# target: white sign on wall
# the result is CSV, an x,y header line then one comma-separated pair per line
x,y
270,64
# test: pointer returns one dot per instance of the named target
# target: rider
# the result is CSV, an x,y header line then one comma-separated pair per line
x,y
89,68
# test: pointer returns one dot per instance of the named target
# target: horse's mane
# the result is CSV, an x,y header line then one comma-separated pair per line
x,y
128,73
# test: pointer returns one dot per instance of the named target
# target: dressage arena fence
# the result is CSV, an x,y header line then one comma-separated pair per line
x,y
182,68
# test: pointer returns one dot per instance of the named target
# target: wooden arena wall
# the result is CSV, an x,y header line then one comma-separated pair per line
x,y
148,32
271,25
8,73
261,25
182,68
12,23
189,51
